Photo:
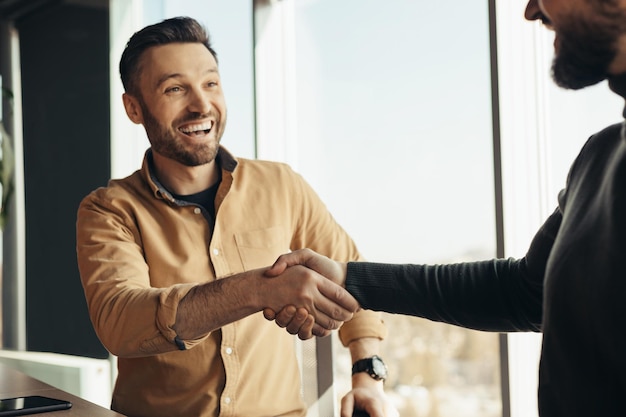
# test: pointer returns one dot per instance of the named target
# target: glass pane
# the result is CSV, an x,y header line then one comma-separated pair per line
x,y
394,132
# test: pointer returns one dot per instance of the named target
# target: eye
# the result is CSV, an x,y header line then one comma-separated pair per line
x,y
174,89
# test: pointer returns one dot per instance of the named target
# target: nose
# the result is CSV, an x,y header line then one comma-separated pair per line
x,y
199,102
533,12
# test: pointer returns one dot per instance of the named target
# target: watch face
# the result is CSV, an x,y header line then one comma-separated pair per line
x,y
379,367
374,366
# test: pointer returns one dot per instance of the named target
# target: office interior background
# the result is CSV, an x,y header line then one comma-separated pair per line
x,y
431,129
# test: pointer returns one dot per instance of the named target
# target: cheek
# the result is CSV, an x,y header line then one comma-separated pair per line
x,y
220,104
169,116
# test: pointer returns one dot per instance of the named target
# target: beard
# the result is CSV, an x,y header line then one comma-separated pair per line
x,y
586,48
163,140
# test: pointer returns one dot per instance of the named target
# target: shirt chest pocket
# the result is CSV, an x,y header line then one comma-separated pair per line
x,y
259,248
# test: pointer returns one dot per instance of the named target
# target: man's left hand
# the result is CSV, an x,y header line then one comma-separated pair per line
x,y
368,395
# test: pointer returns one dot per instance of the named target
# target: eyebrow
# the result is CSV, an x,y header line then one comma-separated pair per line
x,y
166,77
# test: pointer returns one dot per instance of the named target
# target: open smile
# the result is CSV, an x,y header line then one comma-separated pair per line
x,y
195,130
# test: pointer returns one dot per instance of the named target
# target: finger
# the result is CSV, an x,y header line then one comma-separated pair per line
x,y
293,327
306,330
284,316
339,296
269,314
327,322
327,311
319,331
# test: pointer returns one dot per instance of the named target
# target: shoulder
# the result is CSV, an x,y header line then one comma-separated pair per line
x,y
598,150
117,193
276,179
606,139
264,169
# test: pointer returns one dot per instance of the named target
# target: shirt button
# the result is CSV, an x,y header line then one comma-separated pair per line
x,y
197,210
216,252
227,400
229,350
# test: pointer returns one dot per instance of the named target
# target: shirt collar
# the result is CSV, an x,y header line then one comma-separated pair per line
x,y
225,160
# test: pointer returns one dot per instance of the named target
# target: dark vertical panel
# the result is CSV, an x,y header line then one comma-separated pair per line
x,y
65,78
13,336
499,209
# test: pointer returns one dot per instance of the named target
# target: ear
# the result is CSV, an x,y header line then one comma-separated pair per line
x,y
133,108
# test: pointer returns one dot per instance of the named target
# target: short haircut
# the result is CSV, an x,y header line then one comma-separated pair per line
x,y
174,30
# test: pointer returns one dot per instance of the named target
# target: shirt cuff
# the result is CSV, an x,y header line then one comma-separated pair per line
x,y
166,315
365,323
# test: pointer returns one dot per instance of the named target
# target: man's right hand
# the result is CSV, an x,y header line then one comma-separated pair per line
x,y
299,320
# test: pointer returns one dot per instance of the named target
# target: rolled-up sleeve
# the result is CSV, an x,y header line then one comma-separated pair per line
x,y
166,316
365,323
131,315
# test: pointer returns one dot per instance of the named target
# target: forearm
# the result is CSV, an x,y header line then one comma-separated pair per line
x,y
362,348
362,335
488,295
209,306
498,295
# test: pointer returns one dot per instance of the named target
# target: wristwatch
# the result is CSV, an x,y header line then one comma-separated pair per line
x,y
374,366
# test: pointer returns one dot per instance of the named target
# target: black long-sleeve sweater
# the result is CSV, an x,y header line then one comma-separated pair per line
x,y
571,285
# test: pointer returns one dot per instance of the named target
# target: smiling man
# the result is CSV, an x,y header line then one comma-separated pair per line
x,y
571,285
172,257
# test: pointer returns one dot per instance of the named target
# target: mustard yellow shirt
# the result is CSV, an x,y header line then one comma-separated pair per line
x,y
140,251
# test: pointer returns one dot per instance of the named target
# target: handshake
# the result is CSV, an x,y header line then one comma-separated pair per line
x,y
308,295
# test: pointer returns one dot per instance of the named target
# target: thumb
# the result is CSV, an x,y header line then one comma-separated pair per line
x,y
276,269
298,257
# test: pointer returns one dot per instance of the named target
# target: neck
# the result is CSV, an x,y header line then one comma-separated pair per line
x,y
185,180
617,83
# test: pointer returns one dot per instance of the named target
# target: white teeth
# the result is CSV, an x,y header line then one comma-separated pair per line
x,y
197,128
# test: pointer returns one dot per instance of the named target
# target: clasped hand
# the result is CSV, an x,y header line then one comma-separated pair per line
x,y
324,309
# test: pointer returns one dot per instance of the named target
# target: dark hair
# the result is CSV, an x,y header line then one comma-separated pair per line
x,y
177,29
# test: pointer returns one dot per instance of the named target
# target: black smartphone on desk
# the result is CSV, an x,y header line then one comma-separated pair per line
x,y
22,406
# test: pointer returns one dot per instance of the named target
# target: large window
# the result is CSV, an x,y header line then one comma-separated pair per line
x,y
391,108
385,108
394,131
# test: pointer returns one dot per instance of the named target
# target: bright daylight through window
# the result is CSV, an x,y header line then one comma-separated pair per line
x,y
394,131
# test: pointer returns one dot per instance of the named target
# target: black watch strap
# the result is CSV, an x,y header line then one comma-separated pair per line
x,y
373,366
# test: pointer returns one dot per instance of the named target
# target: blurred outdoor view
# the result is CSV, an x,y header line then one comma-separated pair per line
x,y
436,370
394,132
